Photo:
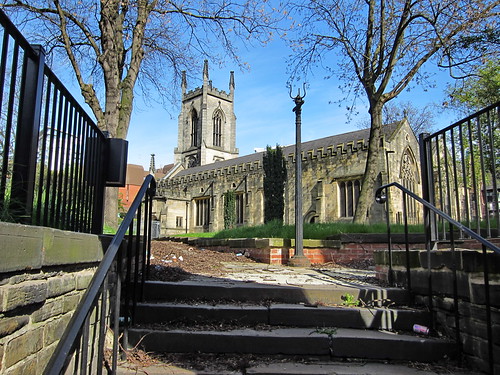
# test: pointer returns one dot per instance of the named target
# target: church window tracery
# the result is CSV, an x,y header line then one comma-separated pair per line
x,y
348,197
192,161
194,127
217,122
240,208
409,179
203,212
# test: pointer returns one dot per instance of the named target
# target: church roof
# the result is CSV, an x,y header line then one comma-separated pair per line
x,y
358,136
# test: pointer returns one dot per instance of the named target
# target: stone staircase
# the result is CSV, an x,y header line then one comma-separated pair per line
x,y
228,316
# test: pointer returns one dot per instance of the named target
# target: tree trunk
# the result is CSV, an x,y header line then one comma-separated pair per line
x,y
111,208
367,193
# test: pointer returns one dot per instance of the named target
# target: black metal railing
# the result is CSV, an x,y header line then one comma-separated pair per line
x,y
51,152
461,172
110,299
455,231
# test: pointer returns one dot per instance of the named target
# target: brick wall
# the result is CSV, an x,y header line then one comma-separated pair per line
x,y
316,255
279,250
43,274
471,296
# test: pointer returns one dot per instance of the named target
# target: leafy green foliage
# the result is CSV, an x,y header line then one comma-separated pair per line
x,y
481,41
275,176
350,301
478,91
229,209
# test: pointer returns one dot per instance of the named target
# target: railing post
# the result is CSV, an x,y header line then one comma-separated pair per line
x,y
390,275
427,192
100,193
25,155
429,218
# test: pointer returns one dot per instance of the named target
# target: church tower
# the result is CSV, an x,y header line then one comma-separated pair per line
x,y
207,124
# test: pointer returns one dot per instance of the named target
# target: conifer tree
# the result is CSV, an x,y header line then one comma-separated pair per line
x,y
275,176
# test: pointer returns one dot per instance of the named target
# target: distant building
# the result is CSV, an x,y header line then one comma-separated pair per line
x,y
190,196
134,180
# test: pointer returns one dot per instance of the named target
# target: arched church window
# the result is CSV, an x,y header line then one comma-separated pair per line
x,y
194,128
342,200
203,212
348,197
218,120
192,162
240,208
408,176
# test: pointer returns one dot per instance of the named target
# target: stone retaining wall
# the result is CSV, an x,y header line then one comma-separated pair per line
x,y
43,274
471,296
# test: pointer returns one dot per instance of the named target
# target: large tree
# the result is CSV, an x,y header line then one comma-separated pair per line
x,y
472,94
379,48
421,120
117,46
477,91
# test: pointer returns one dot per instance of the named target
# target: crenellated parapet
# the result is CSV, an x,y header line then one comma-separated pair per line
x,y
210,91
208,174
333,147
327,151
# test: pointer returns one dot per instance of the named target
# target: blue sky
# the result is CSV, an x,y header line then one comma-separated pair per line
x,y
262,105
263,108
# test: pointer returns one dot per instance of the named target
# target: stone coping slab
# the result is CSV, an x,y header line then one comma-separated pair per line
x,y
333,241
25,247
258,243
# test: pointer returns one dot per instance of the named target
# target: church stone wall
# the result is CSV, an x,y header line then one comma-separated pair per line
x,y
332,170
323,170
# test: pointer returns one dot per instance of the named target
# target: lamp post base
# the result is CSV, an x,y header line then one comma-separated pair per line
x,y
299,261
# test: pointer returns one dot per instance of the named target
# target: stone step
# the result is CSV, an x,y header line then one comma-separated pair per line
x,y
333,342
280,366
255,292
289,315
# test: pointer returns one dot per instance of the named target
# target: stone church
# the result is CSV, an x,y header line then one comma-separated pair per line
x,y
207,164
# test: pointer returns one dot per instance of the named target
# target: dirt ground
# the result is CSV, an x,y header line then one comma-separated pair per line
x,y
175,261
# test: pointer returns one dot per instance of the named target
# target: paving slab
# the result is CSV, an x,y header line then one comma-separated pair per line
x,y
283,275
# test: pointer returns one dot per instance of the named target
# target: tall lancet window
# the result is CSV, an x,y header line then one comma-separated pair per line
x,y
194,128
218,119
409,179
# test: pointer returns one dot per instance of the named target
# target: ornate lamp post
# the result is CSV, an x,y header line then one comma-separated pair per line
x,y
299,259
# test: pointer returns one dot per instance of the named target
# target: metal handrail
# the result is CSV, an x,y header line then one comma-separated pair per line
x,y
381,198
97,286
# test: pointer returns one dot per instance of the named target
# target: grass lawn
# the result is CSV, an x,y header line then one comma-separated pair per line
x,y
276,229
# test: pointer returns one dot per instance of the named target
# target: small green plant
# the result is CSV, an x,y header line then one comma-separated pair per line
x,y
349,300
329,331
